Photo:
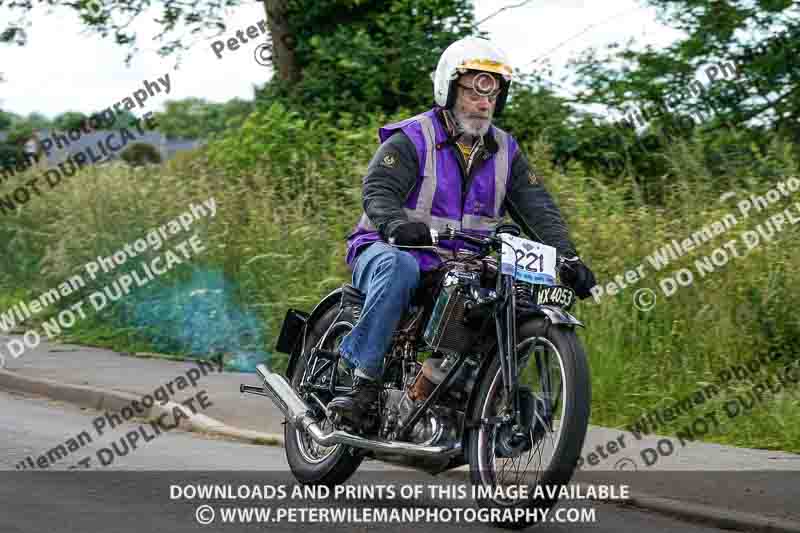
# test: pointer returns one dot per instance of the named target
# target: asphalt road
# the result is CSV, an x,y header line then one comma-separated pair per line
x,y
133,492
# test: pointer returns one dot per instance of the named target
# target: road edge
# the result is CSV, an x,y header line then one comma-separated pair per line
x,y
100,399
110,400
688,511
715,516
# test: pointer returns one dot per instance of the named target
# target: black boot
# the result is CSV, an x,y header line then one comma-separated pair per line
x,y
352,407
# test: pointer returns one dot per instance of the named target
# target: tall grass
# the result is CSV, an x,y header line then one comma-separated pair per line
x,y
279,236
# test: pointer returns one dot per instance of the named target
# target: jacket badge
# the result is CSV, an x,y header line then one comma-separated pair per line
x,y
389,160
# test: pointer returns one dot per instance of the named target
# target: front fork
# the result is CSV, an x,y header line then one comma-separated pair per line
x,y
506,325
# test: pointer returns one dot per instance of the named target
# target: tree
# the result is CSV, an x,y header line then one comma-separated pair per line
x,y
754,46
6,119
126,119
535,113
139,154
115,18
348,55
357,56
69,120
19,129
37,121
728,89
196,118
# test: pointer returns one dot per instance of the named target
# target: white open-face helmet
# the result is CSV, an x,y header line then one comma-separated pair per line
x,y
470,53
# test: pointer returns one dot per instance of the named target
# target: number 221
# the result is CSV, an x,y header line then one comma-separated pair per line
x,y
533,258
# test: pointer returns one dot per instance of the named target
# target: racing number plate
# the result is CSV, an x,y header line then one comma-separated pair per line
x,y
528,261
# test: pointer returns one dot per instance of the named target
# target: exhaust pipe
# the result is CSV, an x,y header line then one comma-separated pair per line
x,y
297,412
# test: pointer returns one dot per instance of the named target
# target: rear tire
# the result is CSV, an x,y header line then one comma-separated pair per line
x,y
311,464
573,401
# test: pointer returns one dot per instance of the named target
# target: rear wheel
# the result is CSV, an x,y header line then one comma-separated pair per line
x,y
555,399
311,463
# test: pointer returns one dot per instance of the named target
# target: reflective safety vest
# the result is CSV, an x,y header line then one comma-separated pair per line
x,y
436,198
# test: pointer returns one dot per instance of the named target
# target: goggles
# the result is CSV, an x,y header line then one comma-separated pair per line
x,y
483,85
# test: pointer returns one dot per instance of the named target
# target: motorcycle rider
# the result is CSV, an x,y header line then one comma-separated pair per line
x,y
448,165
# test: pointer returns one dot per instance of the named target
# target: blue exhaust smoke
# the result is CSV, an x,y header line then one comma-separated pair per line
x,y
199,317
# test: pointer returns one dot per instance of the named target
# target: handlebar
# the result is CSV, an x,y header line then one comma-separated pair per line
x,y
453,234
491,242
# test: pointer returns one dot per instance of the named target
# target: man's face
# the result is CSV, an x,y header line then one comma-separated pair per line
x,y
473,110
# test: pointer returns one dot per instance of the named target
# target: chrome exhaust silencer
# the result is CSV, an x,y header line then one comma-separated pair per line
x,y
297,412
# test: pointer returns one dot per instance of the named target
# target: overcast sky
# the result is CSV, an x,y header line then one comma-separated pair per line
x,y
63,68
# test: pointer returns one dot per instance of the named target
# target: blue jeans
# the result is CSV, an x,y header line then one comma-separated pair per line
x,y
388,277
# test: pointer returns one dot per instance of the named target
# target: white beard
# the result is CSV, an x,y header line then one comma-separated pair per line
x,y
473,127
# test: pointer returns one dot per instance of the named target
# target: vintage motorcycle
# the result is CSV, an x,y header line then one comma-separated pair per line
x,y
485,369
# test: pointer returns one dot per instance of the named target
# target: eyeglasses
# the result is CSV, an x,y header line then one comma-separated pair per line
x,y
475,96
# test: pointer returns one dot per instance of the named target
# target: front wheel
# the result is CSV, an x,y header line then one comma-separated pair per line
x,y
554,399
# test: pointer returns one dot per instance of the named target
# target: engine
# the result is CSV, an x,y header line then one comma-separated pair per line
x,y
450,328
450,331
439,425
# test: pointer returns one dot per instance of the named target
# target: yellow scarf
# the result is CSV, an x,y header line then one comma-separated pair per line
x,y
465,150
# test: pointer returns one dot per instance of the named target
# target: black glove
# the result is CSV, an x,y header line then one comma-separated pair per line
x,y
578,277
412,234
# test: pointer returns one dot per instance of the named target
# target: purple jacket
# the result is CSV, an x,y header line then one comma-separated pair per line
x,y
436,199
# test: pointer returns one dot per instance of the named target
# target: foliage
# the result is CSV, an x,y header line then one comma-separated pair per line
x,y
196,118
69,120
362,56
6,119
37,121
295,150
761,42
9,155
534,112
737,70
287,180
279,240
125,119
115,18
354,55
18,130
138,154
11,149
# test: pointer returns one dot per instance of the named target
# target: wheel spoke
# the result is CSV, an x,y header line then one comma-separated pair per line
x,y
545,384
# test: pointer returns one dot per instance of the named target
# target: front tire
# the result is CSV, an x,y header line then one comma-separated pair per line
x,y
310,463
559,422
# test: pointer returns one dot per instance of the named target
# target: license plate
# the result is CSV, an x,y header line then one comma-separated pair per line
x,y
529,261
557,295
